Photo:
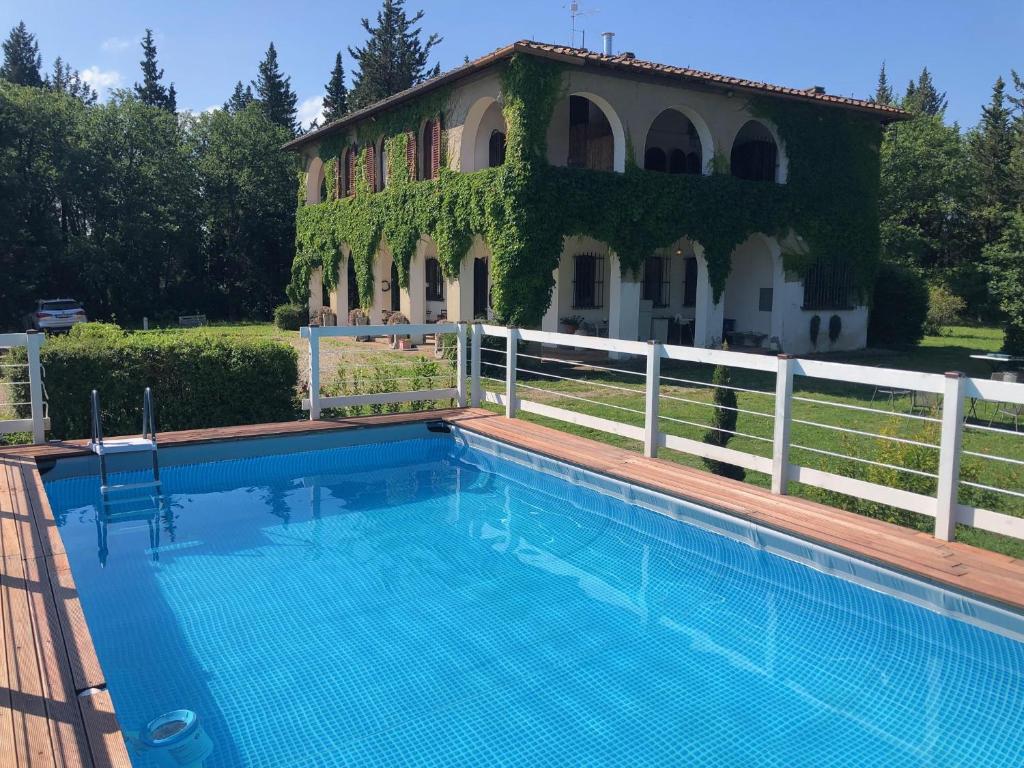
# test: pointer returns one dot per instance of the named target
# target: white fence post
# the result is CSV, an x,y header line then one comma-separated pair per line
x,y
652,395
314,373
949,457
474,366
783,414
460,363
33,341
510,372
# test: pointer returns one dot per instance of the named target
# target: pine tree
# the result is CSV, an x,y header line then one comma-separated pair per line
x,y
336,100
991,147
240,98
67,80
883,91
22,62
172,99
274,91
394,57
152,91
923,98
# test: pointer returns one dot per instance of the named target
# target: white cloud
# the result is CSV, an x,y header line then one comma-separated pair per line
x,y
116,44
311,109
101,79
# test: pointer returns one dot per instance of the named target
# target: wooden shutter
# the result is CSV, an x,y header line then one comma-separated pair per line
x,y
435,148
371,169
350,172
410,154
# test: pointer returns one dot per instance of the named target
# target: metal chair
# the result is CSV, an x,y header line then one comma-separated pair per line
x,y
1014,410
892,393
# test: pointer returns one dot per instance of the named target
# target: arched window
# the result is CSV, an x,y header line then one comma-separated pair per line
x,y
431,157
754,153
434,280
496,149
654,159
349,179
591,143
675,135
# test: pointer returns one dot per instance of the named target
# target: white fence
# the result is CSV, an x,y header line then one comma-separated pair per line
x,y
19,380
951,394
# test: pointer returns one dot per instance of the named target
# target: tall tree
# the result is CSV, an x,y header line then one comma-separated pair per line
x,y
275,92
67,80
22,62
394,57
336,100
991,148
240,98
883,91
923,98
151,91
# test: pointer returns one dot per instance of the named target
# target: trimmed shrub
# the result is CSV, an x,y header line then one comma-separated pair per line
x,y
96,331
835,328
899,307
198,381
290,317
723,423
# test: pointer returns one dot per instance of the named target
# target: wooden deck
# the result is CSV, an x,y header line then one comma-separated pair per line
x,y
54,706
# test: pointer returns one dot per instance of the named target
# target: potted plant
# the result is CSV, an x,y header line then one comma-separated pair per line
x,y
570,323
358,317
397,341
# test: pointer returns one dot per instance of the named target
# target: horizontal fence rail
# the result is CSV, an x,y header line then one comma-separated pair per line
x,y
494,366
21,386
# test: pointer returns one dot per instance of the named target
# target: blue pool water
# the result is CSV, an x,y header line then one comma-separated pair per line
x,y
426,603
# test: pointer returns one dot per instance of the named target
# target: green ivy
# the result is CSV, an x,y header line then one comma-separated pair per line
x,y
525,208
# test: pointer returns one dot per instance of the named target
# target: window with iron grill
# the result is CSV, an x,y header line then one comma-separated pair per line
x,y
588,281
656,286
829,285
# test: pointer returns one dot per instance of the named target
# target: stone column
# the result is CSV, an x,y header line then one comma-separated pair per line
x,y
623,302
708,314
316,291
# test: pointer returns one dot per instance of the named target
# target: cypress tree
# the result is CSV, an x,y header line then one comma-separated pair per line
x,y
336,100
883,91
394,57
22,62
923,98
275,92
723,422
151,91
240,98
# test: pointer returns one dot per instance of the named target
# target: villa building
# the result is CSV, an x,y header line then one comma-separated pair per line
x,y
550,187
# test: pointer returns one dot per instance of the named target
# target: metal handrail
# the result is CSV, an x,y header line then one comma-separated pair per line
x,y
148,416
97,431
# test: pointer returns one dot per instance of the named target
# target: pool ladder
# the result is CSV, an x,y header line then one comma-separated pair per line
x,y
145,442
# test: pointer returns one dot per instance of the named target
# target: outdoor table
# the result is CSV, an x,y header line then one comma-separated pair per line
x,y
995,361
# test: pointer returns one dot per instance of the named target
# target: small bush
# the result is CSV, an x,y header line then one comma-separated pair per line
x,y
944,308
97,331
357,317
198,380
290,317
815,330
835,328
723,423
898,309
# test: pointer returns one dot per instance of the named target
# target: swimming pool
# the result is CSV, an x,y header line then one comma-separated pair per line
x,y
439,599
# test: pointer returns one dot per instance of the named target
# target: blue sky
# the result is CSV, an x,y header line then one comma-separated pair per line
x,y
206,46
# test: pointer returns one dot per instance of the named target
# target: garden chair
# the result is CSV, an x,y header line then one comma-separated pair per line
x,y
891,393
1013,410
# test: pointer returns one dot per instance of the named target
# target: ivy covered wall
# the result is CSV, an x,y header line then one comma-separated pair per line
x,y
524,208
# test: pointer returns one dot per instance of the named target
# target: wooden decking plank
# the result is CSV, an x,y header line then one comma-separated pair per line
x,y
67,731
31,728
85,667
10,544
106,743
8,753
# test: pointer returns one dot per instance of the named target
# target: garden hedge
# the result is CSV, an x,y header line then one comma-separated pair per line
x,y
198,380
898,309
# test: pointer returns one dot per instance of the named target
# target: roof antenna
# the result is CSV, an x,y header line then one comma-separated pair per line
x,y
574,12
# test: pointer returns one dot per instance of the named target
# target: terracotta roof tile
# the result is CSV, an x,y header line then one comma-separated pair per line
x,y
623,62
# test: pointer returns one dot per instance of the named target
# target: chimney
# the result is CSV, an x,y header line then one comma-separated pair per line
x,y
607,37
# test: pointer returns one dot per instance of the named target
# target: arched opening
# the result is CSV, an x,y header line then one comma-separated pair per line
x,y
323,189
675,137
749,299
396,289
591,141
496,149
430,154
353,284
348,179
755,155
316,188
480,288
654,159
